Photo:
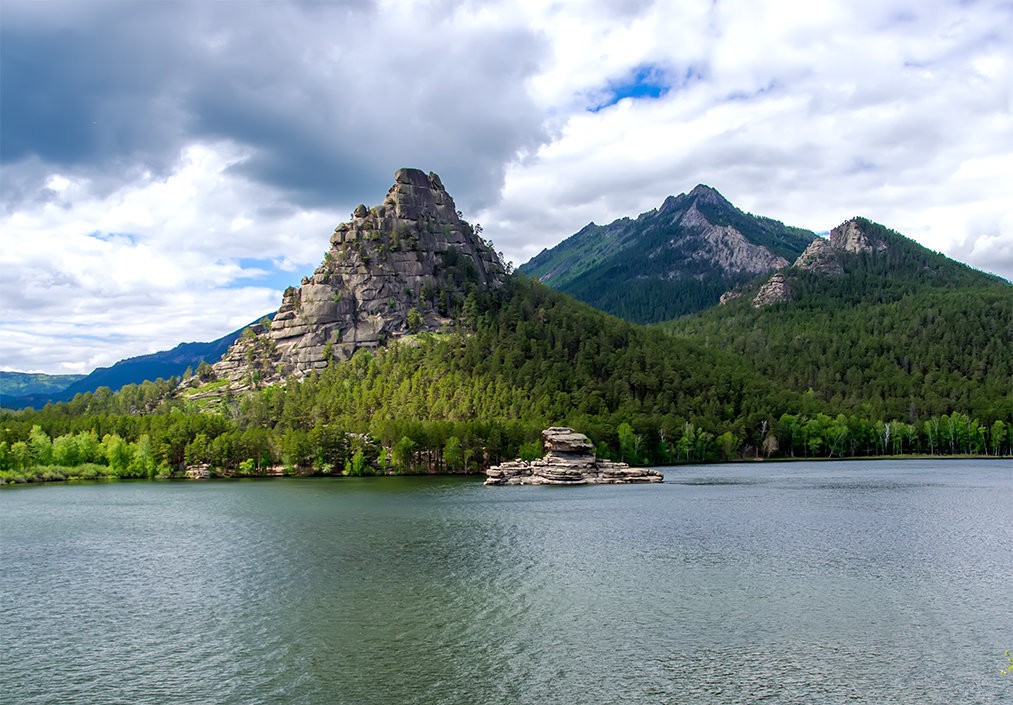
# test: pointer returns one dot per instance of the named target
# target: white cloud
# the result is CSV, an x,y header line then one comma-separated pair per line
x,y
897,111
90,280
225,147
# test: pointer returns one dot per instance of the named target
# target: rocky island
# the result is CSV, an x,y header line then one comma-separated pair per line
x,y
570,461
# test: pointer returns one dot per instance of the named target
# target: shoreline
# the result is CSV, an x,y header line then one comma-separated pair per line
x,y
23,481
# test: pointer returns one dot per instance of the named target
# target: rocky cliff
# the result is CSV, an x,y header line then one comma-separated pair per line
x,y
401,267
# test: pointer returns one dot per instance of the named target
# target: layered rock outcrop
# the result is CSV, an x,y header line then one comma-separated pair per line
x,y
401,267
570,460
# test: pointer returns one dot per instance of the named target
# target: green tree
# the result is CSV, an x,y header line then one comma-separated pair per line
x,y
415,321
401,454
356,465
118,453
21,456
143,463
627,443
452,454
729,444
40,446
998,435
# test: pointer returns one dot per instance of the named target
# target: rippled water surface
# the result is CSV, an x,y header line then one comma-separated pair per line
x,y
888,582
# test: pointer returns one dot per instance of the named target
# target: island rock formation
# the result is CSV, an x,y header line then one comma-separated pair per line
x,y
570,461
402,267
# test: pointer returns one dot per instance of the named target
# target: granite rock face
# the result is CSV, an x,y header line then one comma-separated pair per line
x,y
821,257
856,236
775,291
401,267
723,245
570,460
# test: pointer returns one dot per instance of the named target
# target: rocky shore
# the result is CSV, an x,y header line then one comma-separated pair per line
x,y
570,460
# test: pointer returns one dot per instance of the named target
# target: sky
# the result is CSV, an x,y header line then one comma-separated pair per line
x,y
168,168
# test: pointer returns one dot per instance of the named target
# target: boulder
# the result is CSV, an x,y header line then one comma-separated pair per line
x,y
558,438
570,461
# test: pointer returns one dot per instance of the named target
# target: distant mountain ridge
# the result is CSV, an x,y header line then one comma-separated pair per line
x,y
872,318
675,259
133,370
18,384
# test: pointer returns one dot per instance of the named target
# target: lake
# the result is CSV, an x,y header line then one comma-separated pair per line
x,y
884,581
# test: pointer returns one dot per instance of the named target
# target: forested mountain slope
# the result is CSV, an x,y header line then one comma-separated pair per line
x,y
19,384
132,370
868,344
672,260
872,321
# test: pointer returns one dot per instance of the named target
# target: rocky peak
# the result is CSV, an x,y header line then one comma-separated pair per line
x,y
706,194
775,291
856,235
401,267
821,257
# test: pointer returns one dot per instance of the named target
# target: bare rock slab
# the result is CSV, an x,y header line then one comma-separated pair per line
x,y
570,461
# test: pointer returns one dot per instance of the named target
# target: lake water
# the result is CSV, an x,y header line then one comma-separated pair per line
x,y
885,582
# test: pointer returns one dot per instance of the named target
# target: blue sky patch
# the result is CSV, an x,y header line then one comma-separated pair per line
x,y
646,81
266,272
109,237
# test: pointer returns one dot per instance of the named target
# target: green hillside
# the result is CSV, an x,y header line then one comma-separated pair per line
x,y
900,333
19,384
673,260
898,350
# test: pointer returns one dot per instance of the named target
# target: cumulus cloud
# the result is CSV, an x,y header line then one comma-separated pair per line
x,y
90,280
896,111
169,167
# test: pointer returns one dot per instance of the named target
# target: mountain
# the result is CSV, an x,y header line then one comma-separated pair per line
x,y
871,320
132,370
403,267
411,349
19,384
669,261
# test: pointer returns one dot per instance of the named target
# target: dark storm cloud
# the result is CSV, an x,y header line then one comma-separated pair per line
x,y
327,98
78,90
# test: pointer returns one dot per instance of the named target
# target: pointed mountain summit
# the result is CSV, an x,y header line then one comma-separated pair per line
x,y
860,247
669,261
402,267
869,317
